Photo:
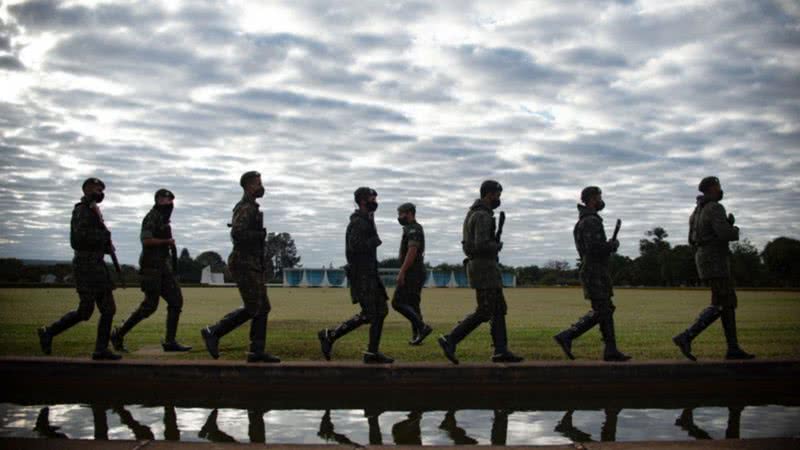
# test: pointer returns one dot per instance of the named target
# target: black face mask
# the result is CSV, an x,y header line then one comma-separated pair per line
x,y
97,197
165,210
402,221
600,206
259,193
372,206
721,194
495,203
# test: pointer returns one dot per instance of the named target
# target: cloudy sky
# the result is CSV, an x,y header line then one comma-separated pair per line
x,y
420,100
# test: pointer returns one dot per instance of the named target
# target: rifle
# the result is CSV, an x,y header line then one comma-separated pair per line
x,y
500,224
111,250
616,230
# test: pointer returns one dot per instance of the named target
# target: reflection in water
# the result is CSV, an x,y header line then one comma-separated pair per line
x,y
418,427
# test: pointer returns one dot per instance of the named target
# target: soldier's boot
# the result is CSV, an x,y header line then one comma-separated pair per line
x,y
118,335
101,351
463,329
610,352
170,344
118,340
500,341
327,336
584,324
45,340
258,339
372,355
422,334
211,340
408,312
704,320
729,326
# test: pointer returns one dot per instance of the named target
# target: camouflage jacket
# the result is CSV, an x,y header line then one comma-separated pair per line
x,y
91,240
413,236
248,235
595,251
709,233
481,247
361,249
158,257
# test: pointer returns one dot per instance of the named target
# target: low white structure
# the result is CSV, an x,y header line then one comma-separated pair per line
x,y
211,278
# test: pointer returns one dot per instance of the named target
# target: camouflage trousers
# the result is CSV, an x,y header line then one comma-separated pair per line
x,y
88,299
406,301
723,292
256,308
491,308
167,287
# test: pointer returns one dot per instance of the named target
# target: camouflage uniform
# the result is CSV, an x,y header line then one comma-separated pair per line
x,y
595,251
481,248
91,240
710,231
407,298
157,278
246,264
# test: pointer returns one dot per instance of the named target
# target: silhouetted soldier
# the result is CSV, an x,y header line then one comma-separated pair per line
x,y
408,431
454,432
569,431
211,431
43,427
412,275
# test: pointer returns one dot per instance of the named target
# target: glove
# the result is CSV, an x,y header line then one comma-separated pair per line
x,y
731,219
499,247
614,244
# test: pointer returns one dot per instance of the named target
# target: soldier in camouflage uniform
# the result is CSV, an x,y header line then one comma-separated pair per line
x,y
481,246
158,277
246,264
710,231
91,241
366,287
595,251
411,279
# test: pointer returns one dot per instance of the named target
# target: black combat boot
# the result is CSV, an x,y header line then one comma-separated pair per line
x,y
610,352
377,358
448,347
211,340
327,336
372,355
169,344
118,340
101,351
704,320
45,340
118,336
422,334
500,341
729,326
459,332
409,313
584,324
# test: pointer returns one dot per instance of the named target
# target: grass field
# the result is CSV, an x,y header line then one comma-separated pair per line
x,y
769,323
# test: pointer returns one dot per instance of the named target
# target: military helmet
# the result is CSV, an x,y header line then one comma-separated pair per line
x,y
407,207
490,186
362,193
247,176
161,193
706,183
588,192
93,181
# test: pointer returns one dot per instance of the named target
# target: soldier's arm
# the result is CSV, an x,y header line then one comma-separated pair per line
x,y
360,238
240,225
148,233
484,239
719,222
88,233
594,238
413,249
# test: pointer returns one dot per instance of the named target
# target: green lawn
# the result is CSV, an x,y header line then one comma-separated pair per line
x,y
769,323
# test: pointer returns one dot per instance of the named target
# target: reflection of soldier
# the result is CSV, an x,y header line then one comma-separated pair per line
x,y
375,434
158,275
734,422
411,278
100,422
686,422
366,286
569,431
710,232
608,433
91,241
212,432
171,430
481,245
500,426
454,432
141,432
326,431
256,430
43,427
408,431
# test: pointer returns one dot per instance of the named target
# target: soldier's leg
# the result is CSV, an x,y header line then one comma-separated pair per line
x,y
256,430
499,331
237,317
403,302
704,320
584,324
500,427
723,295
606,308
171,430
172,294
483,313
377,314
100,422
70,319
328,336
734,422
258,327
608,433
107,308
146,309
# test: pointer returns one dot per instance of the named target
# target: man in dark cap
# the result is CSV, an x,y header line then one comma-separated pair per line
x,y
482,246
366,287
157,274
411,279
246,264
594,250
91,240
710,231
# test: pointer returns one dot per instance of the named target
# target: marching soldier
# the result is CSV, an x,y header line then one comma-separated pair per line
x,y
411,279
158,267
366,287
594,250
246,263
710,231
91,241
481,246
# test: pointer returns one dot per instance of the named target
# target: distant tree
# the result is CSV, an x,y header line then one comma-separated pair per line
x,y
621,269
681,269
390,263
653,261
746,266
213,259
281,253
189,271
782,258
447,267
528,275
10,269
557,265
